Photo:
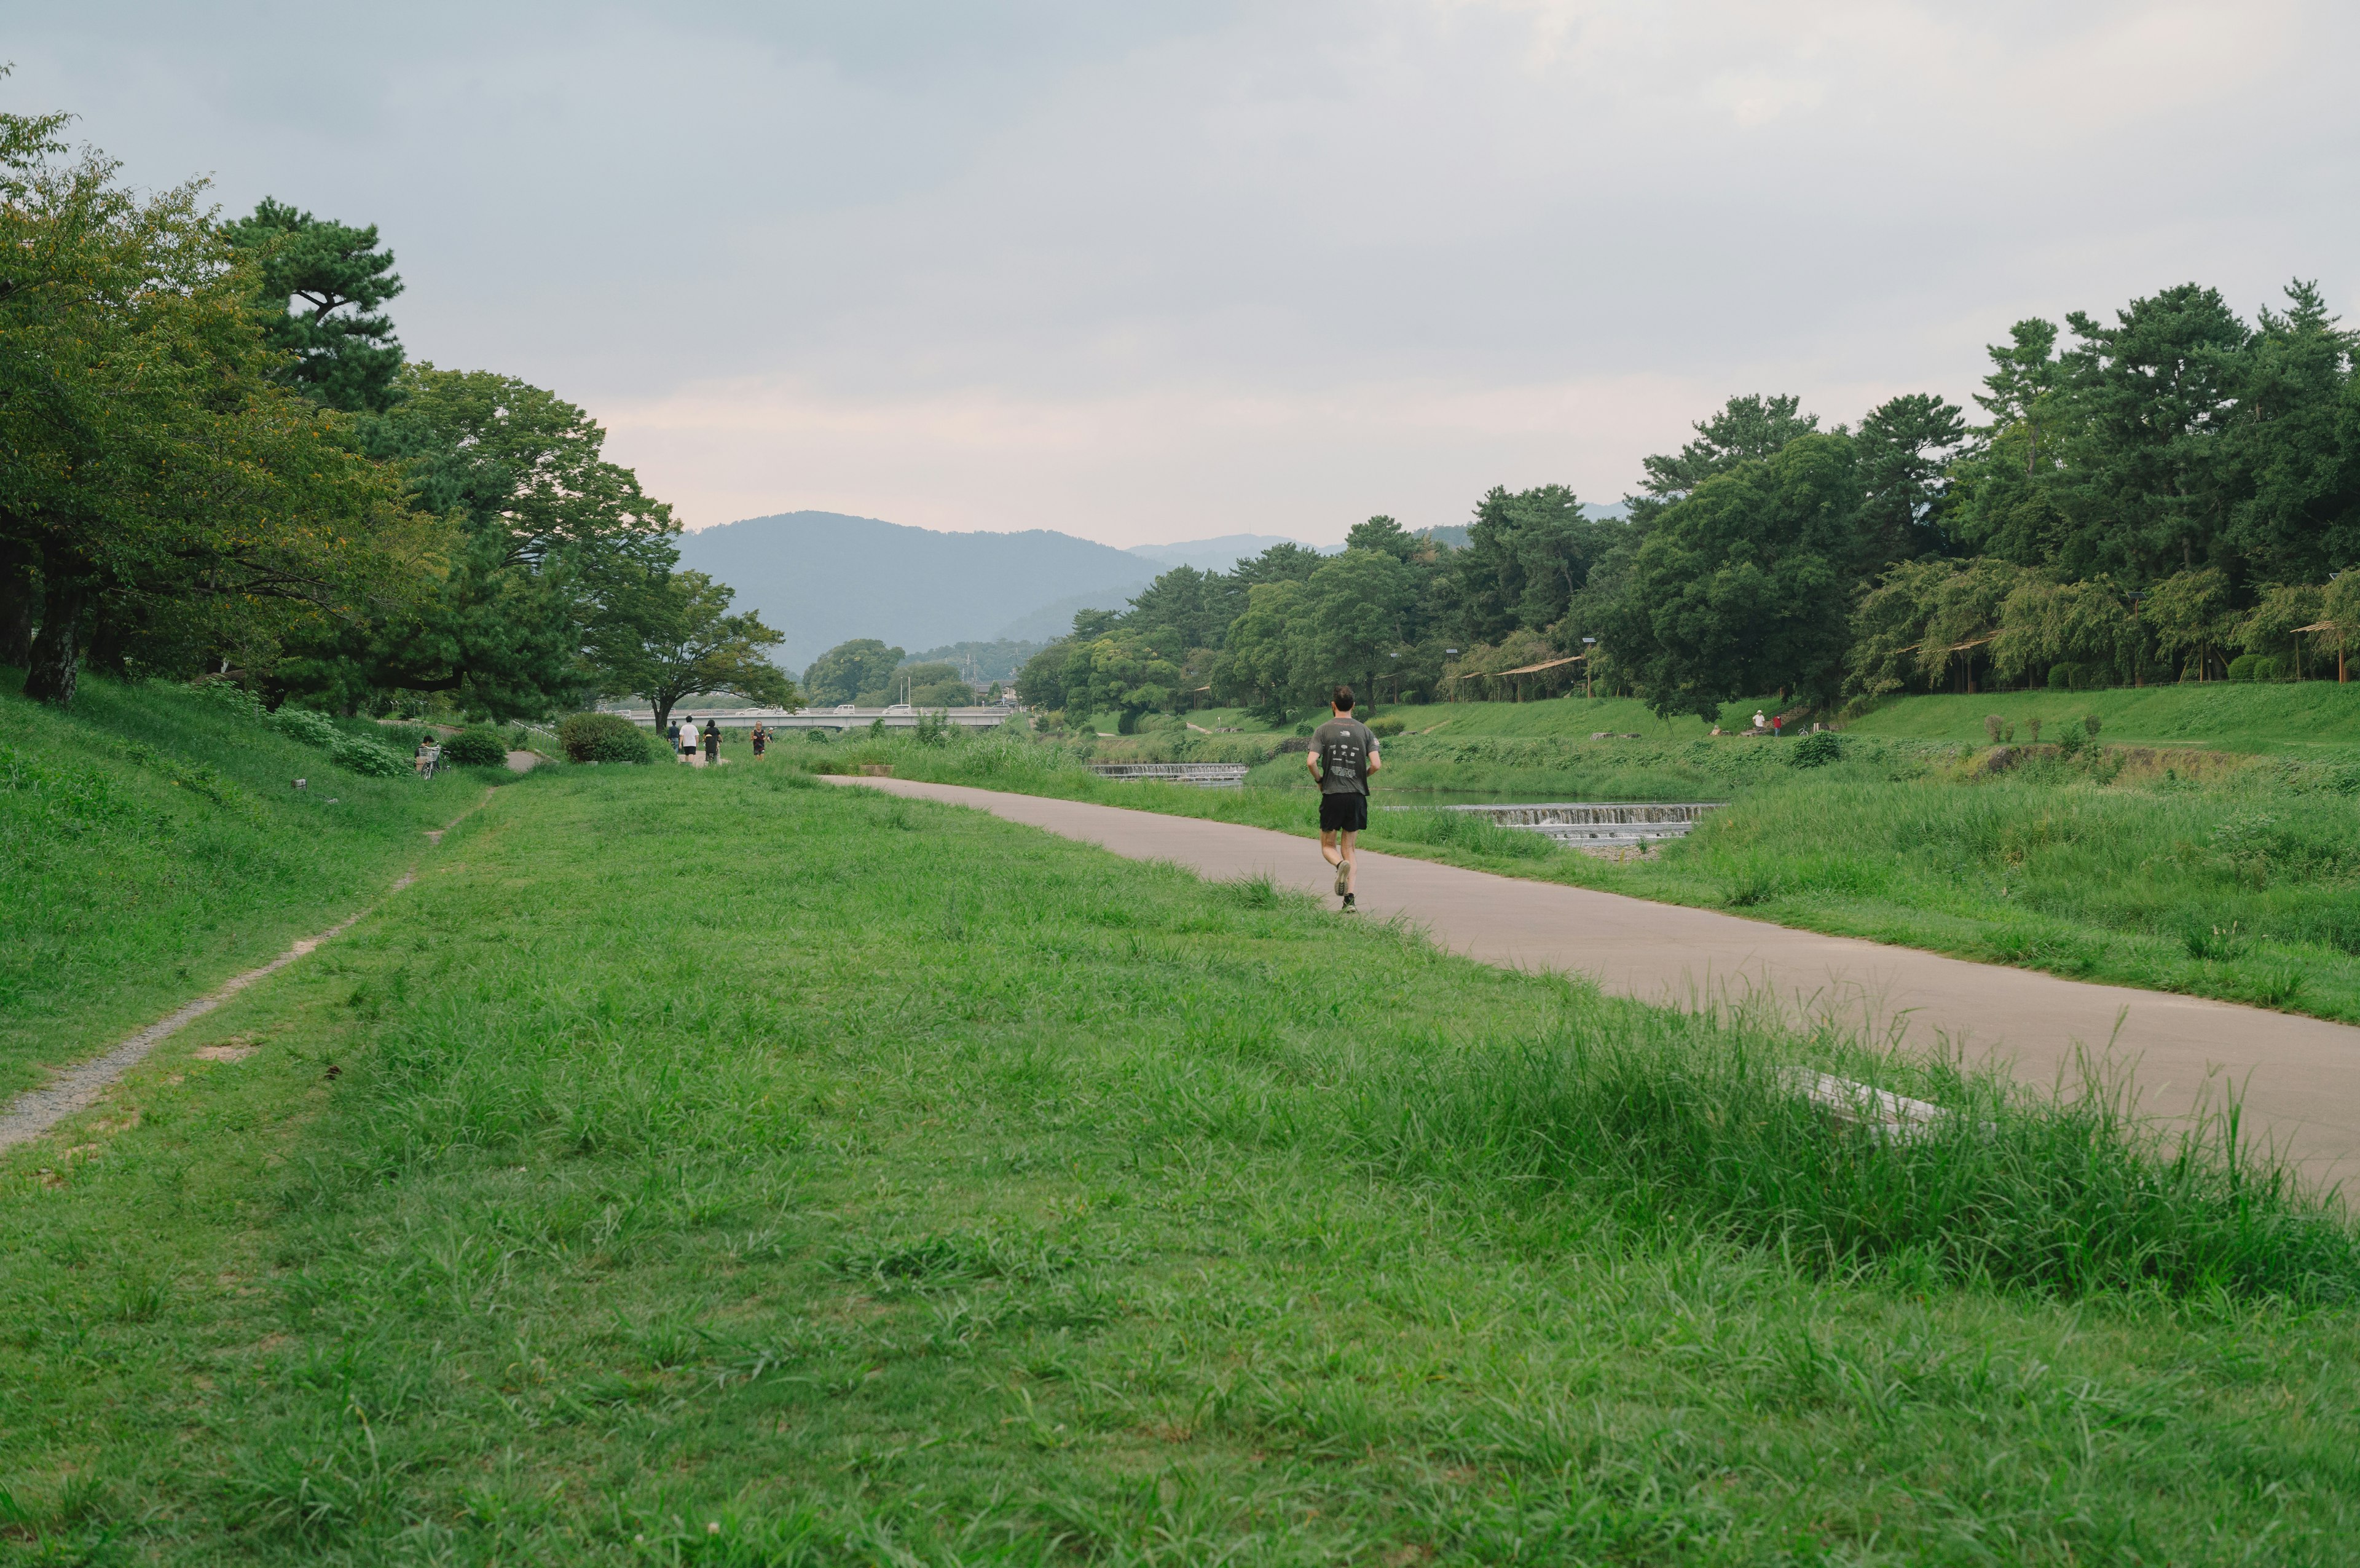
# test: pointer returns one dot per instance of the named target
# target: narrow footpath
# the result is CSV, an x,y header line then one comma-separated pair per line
x,y
2300,1077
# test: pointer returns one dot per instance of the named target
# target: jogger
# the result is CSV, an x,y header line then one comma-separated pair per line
x,y
1343,755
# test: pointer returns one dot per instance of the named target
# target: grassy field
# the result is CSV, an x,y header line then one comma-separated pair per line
x,y
912,1188
2207,874
2305,717
152,843
2311,717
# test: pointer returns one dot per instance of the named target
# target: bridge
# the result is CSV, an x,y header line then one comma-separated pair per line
x,y
900,717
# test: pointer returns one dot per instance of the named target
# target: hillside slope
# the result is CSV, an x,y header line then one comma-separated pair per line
x,y
152,844
825,577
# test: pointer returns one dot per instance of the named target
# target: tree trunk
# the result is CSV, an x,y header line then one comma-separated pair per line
x,y
20,599
54,662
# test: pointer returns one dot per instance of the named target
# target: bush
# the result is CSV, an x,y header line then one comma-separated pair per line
x,y
602,738
2266,666
479,746
304,725
1816,749
1391,725
2242,667
366,757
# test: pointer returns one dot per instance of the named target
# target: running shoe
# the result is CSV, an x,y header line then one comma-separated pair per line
x,y
1350,907
1341,881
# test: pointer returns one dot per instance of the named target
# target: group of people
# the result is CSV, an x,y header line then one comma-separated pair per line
x,y
699,748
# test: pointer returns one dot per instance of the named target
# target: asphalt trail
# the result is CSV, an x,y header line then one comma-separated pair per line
x,y
2300,1077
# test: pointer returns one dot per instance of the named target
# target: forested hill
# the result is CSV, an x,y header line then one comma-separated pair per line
x,y
823,578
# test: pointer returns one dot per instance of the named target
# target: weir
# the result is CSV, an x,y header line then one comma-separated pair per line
x,y
1601,827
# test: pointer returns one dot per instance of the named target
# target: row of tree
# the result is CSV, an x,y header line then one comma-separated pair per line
x,y
215,458
2162,494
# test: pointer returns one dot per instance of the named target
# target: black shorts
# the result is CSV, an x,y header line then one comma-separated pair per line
x,y
1343,814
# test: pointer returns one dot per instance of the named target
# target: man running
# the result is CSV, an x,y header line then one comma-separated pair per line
x,y
1342,756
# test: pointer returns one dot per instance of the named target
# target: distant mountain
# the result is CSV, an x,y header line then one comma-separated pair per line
x,y
1052,621
996,660
823,578
1215,554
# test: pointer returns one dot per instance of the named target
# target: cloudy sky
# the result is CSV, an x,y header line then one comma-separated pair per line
x,y
1155,269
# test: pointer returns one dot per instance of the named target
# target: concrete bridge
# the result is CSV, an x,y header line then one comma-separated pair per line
x,y
900,717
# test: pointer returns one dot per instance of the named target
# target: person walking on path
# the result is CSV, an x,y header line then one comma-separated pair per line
x,y
712,742
688,740
761,738
1343,755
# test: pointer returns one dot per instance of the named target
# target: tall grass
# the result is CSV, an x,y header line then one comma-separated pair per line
x,y
1670,1120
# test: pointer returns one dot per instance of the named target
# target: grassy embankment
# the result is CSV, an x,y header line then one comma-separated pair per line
x,y
152,844
916,1188
2205,872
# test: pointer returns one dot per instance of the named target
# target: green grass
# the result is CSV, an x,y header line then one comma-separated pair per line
x,y
2302,717
2238,879
152,844
911,1187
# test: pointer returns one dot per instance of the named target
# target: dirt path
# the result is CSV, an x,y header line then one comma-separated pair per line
x,y
78,1087
2302,1075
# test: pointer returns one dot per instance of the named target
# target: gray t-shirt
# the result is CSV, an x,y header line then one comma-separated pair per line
x,y
1343,747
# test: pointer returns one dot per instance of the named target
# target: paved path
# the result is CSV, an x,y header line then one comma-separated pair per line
x,y
2302,1076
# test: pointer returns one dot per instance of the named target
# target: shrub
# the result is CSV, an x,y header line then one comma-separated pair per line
x,y
1816,749
1391,725
478,746
2091,721
233,698
2266,666
2242,667
2032,728
366,757
602,738
304,725
1992,725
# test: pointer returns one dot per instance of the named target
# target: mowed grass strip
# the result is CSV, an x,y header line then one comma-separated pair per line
x,y
719,1167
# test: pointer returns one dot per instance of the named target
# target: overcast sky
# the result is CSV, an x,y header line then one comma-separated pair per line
x,y
1158,269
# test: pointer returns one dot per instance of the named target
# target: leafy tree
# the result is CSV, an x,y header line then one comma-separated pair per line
x,y
1748,428
673,634
1918,612
1125,675
2291,450
1385,537
845,671
1282,563
340,350
550,534
1189,607
161,491
2191,618
1357,602
2046,623
1042,683
1257,666
2150,393
1906,446
2281,610
1527,554
1747,585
